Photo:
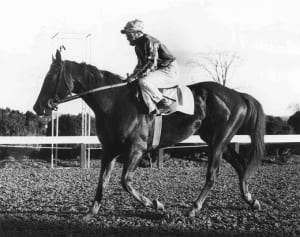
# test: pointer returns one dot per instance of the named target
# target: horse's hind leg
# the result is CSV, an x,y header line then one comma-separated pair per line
x,y
219,141
232,157
214,160
127,177
107,165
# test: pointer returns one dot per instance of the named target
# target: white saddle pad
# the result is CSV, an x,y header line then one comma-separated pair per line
x,y
183,99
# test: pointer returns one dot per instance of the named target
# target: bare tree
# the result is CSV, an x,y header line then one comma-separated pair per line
x,y
219,65
294,107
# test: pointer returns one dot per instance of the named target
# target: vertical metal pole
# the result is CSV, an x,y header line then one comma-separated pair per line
x,y
82,118
83,133
52,145
89,59
83,156
83,126
56,150
86,38
160,160
88,134
85,110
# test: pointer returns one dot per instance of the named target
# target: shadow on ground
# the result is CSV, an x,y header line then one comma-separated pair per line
x,y
14,227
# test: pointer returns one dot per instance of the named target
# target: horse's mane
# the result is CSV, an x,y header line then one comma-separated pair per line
x,y
99,77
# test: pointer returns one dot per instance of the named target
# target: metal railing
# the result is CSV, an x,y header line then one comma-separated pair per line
x,y
18,141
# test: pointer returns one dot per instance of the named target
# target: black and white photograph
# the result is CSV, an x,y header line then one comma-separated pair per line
x,y
150,118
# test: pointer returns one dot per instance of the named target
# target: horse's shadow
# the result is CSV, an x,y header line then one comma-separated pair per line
x,y
12,226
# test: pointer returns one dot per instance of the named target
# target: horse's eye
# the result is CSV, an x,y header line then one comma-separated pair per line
x,y
54,71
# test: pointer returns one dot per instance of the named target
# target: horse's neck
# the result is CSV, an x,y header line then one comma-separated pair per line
x,y
87,78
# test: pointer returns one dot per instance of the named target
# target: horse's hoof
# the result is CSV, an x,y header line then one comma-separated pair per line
x,y
191,213
88,217
256,205
158,205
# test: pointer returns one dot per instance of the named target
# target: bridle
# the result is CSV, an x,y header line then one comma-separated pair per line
x,y
53,103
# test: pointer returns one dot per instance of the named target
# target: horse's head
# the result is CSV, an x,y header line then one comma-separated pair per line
x,y
57,85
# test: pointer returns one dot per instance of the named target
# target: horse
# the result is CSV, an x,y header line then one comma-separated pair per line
x,y
126,131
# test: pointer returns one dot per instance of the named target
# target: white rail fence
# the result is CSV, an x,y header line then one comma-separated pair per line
x,y
18,141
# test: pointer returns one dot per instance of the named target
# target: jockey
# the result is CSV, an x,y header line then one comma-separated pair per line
x,y
156,67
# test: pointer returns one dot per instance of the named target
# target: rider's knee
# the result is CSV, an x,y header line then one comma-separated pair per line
x,y
142,82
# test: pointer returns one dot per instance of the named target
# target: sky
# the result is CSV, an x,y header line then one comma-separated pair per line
x,y
264,33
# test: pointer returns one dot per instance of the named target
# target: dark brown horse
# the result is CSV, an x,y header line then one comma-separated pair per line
x,y
125,131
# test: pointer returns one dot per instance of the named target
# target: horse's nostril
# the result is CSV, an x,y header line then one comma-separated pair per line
x,y
35,108
38,109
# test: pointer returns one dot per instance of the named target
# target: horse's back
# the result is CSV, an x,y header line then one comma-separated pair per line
x,y
213,87
214,93
231,102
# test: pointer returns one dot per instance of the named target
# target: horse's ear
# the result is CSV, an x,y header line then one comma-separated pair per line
x,y
58,56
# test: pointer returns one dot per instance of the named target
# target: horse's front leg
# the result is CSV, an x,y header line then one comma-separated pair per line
x,y
127,177
107,165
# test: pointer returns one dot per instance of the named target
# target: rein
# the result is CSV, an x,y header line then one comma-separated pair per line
x,y
73,97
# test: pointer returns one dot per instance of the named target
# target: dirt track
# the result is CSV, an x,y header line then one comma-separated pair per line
x,y
46,202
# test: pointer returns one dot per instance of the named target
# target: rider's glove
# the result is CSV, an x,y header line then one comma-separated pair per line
x,y
131,78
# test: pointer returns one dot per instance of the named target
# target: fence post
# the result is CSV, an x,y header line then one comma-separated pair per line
x,y
160,160
83,163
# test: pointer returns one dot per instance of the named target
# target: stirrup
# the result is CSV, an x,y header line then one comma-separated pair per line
x,y
164,105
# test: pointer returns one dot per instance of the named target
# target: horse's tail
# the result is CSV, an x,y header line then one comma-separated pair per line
x,y
256,124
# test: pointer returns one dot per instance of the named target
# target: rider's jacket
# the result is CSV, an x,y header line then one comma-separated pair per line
x,y
152,55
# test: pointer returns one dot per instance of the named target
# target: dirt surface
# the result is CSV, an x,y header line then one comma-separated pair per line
x,y
36,200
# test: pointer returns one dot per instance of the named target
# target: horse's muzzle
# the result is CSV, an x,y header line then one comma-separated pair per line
x,y
42,110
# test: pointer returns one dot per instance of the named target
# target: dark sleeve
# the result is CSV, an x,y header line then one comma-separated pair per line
x,y
150,49
139,64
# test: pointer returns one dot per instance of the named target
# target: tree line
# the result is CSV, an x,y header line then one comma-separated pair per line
x,y
16,123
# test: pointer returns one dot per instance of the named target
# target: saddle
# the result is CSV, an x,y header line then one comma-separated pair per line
x,y
179,99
